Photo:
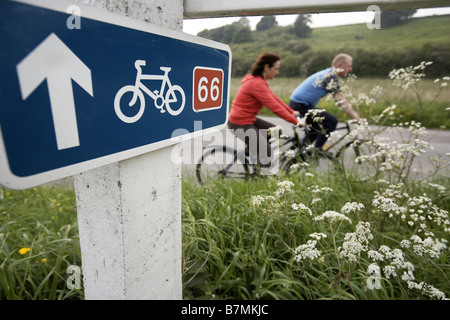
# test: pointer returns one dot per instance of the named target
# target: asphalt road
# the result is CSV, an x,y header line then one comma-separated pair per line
x,y
439,142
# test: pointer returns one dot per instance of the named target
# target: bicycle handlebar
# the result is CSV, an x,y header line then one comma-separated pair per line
x,y
301,122
139,63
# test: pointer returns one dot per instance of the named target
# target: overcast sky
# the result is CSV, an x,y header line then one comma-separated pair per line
x,y
194,26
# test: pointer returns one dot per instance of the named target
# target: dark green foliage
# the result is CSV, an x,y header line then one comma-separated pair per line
x,y
395,18
266,23
301,28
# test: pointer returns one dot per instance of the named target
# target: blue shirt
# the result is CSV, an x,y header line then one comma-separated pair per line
x,y
311,90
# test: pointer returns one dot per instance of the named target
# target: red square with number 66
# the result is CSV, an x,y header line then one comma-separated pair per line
x,y
207,89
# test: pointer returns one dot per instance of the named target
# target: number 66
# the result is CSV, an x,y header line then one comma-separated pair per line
x,y
207,88
215,91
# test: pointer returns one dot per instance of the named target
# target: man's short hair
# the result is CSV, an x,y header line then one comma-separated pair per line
x,y
341,59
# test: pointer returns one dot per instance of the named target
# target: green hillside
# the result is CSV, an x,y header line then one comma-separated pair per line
x,y
414,34
375,52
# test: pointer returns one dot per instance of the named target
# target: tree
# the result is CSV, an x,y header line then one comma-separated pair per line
x,y
395,18
301,28
244,22
233,33
266,23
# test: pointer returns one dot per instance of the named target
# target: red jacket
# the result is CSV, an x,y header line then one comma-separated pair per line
x,y
252,96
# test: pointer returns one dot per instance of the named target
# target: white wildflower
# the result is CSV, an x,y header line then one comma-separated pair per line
x,y
385,204
405,244
332,216
389,271
284,187
408,276
257,200
356,242
307,251
427,289
317,189
375,255
318,235
427,246
352,207
301,207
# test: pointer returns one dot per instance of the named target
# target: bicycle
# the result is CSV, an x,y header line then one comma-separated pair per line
x,y
226,162
172,95
300,150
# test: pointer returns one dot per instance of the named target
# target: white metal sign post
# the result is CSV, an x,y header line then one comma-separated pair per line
x,y
107,99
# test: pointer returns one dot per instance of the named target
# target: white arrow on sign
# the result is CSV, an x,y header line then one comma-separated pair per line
x,y
54,61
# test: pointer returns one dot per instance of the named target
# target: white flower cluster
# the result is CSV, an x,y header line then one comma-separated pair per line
x,y
405,77
317,189
430,246
318,235
362,99
283,187
422,211
413,127
418,212
332,216
389,110
267,204
391,157
315,114
302,208
386,205
307,251
427,290
352,207
290,154
356,242
443,84
297,166
258,200
395,260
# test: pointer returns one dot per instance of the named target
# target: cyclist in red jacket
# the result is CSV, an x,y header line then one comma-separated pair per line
x,y
251,97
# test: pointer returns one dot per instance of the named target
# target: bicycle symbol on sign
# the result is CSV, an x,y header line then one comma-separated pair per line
x,y
173,100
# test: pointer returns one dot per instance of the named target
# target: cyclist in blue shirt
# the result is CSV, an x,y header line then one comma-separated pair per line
x,y
308,94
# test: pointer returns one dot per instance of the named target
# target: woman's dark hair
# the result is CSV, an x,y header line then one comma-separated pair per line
x,y
265,58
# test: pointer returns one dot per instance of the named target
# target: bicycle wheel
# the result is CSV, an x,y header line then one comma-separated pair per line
x,y
291,158
133,111
221,162
175,97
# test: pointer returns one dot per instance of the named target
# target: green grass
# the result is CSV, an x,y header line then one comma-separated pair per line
x,y
43,221
421,31
231,249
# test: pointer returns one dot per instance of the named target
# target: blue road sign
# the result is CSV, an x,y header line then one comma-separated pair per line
x,y
81,91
